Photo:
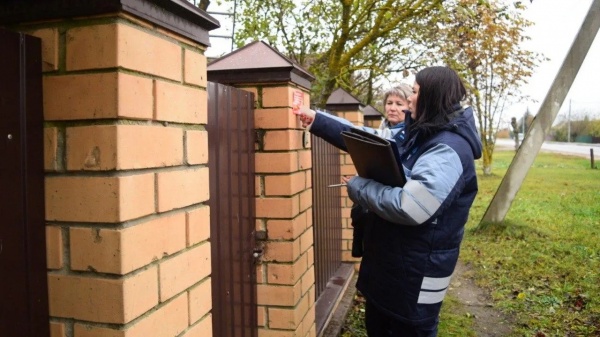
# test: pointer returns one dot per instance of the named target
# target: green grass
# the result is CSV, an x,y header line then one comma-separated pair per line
x,y
354,326
452,321
542,264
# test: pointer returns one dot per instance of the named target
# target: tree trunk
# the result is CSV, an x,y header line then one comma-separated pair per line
x,y
487,156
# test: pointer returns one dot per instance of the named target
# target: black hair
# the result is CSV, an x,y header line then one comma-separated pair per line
x,y
440,93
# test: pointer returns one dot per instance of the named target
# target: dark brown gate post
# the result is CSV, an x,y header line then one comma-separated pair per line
x,y
24,300
232,213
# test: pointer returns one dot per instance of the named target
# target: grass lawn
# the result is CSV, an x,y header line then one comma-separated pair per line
x,y
542,265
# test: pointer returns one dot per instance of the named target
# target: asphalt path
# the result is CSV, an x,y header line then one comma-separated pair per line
x,y
576,149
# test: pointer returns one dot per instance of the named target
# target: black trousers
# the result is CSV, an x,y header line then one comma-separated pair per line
x,y
381,325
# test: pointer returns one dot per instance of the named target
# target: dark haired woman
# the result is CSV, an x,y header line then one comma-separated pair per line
x,y
412,245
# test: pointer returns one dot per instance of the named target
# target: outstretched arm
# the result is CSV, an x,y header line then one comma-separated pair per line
x,y
329,127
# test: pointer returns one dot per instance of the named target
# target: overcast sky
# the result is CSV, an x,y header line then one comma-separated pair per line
x,y
556,23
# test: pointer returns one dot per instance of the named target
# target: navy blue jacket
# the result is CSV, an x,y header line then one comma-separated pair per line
x,y
412,245
329,128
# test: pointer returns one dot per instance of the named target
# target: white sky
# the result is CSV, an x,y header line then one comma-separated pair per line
x,y
556,23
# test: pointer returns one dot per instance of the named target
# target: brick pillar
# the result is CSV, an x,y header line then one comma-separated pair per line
x,y
126,161
285,275
372,116
344,105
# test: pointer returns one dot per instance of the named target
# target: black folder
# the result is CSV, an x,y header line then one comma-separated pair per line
x,y
375,157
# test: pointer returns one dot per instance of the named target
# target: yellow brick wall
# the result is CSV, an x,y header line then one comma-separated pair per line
x,y
126,153
285,276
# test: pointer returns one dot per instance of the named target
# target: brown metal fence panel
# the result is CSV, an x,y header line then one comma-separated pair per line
x,y
327,214
232,221
23,286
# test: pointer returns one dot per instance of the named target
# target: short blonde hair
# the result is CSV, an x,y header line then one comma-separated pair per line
x,y
402,90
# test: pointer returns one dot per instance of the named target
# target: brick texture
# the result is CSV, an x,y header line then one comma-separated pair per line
x,y
277,207
102,300
275,119
304,159
202,329
99,199
184,270
122,147
287,273
49,37
282,251
282,318
57,329
177,103
200,300
287,184
54,247
197,225
194,68
276,162
276,333
169,320
97,96
286,229
51,149
119,45
155,324
277,97
278,140
122,251
196,147
177,189
278,295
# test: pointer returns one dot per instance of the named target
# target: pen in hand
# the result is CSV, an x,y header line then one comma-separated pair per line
x,y
336,185
345,181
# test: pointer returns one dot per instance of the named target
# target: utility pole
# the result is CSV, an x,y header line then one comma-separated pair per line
x,y
542,123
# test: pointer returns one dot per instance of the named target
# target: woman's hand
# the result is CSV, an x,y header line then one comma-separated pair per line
x,y
306,115
346,179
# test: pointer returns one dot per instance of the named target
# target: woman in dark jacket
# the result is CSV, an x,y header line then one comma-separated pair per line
x,y
412,243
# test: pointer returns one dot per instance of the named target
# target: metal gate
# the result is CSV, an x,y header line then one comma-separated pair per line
x,y
232,221
327,212
23,285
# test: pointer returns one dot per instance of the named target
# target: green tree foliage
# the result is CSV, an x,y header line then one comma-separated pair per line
x,y
354,44
580,125
482,41
594,128
344,43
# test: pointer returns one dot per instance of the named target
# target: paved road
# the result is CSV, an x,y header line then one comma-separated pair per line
x,y
577,149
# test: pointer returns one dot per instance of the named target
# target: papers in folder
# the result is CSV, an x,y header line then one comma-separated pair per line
x,y
374,157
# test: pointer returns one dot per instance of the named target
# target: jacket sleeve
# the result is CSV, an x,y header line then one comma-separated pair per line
x,y
435,179
330,127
